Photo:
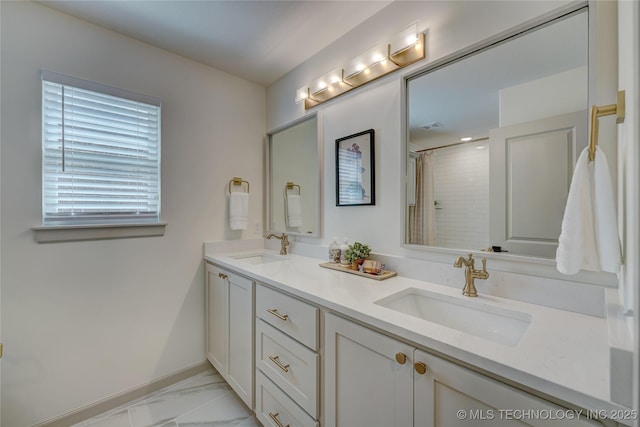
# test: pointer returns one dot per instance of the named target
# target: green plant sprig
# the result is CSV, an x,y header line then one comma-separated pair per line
x,y
357,251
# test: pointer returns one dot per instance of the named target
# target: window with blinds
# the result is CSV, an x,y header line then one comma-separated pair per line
x,y
100,153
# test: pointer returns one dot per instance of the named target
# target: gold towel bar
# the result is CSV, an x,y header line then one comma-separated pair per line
x,y
290,186
606,110
238,181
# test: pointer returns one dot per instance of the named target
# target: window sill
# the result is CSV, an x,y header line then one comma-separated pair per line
x,y
71,233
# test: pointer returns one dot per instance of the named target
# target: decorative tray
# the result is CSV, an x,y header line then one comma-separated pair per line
x,y
384,275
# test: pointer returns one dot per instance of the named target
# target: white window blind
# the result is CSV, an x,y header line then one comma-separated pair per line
x,y
350,177
101,153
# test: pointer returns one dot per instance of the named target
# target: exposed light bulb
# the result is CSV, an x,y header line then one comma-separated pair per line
x,y
302,94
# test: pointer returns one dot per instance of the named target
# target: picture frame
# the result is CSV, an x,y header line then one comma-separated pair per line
x,y
355,169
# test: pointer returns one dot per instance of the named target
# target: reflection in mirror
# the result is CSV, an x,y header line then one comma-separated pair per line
x,y
294,181
492,141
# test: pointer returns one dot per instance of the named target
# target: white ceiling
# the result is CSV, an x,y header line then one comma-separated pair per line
x,y
260,41
464,96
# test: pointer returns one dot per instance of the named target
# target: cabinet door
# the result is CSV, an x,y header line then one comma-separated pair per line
x,y
448,395
364,384
217,308
241,321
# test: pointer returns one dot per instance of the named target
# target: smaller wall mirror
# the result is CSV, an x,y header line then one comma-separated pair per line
x,y
294,179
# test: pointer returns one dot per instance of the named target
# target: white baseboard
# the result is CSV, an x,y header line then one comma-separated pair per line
x,y
119,399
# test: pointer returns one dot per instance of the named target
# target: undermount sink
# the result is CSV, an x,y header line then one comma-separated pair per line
x,y
469,316
259,258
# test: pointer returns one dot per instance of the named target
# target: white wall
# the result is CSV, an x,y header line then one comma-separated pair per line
x,y
82,321
373,225
550,96
629,80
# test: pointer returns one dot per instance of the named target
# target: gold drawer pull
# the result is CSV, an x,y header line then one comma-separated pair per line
x,y
420,368
222,276
276,360
401,358
275,419
274,311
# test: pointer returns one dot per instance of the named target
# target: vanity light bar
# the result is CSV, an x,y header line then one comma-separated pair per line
x,y
328,86
406,48
379,66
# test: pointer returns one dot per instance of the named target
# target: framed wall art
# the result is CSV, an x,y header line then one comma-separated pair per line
x,y
355,169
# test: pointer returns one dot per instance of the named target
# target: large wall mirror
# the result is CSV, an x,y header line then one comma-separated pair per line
x,y
294,179
492,140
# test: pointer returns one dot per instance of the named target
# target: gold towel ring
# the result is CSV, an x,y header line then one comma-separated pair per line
x,y
290,186
238,181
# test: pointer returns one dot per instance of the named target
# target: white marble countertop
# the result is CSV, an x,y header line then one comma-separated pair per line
x,y
562,354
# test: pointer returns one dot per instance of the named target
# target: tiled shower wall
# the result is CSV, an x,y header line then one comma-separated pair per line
x,y
461,176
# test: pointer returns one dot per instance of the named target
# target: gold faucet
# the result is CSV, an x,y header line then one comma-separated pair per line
x,y
470,273
284,241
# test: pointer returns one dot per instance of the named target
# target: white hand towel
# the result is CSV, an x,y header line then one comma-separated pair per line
x,y
238,210
608,242
294,210
589,236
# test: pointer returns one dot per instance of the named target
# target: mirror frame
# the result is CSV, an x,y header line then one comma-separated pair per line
x,y
267,177
520,264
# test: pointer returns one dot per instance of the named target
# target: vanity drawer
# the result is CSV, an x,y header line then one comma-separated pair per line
x,y
291,316
293,367
276,409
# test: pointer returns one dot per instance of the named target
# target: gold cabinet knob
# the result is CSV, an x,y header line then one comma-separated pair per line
x,y
401,358
222,276
420,368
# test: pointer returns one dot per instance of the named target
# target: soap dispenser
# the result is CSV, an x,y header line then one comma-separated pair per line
x,y
343,252
334,251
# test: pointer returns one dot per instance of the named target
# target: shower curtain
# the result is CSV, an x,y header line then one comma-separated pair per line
x,y
423,224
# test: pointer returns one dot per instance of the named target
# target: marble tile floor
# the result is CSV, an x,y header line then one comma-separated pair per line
x,y
204,400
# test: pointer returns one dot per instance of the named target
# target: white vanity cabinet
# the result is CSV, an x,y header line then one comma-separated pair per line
x,y
374,380
287,360
442,388
364,384
230,328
